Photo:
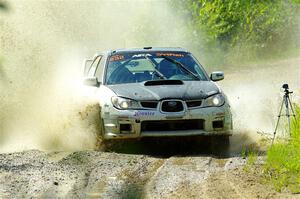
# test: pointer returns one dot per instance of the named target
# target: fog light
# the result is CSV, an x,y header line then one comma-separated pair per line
x,y
125,128
218,124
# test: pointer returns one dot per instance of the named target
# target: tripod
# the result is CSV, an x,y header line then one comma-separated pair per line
x,y
288,107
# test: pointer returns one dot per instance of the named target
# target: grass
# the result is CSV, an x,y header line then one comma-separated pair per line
x,y
251,155
282,168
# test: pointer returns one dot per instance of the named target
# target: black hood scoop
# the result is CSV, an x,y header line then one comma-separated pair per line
x,y
163,82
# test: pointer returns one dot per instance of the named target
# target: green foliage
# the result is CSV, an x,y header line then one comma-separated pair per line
x,y
251,154
282,168
251,159
3,6
245,27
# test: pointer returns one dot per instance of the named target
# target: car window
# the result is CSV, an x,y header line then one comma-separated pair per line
x,y
93,68
138,67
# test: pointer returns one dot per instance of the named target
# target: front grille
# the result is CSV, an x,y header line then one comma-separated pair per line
x,y
149,104
172,125
172,106
193,103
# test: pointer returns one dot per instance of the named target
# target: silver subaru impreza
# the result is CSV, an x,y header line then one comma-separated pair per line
x,y
157,92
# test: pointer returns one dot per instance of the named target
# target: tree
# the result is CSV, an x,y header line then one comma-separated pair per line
x,y
259,27
3,6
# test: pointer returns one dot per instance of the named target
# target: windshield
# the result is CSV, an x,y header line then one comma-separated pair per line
x,y
132,67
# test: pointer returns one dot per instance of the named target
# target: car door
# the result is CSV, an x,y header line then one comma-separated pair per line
x,y
100,69
93,68
90,91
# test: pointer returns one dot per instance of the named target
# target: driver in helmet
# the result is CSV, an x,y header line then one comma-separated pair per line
x,y
168,69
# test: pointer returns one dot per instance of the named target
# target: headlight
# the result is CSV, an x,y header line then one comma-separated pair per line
x,y
123,103
215,100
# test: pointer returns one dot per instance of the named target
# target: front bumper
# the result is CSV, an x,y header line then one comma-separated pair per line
x,y
120,124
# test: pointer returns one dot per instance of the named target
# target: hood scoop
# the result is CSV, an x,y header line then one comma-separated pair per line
x,y
163,82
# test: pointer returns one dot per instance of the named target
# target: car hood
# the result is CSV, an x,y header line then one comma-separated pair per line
x,y
189,90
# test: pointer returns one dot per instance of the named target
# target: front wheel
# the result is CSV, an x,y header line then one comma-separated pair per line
x,y
220,143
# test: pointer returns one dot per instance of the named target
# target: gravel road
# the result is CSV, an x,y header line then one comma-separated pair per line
x,y
97,174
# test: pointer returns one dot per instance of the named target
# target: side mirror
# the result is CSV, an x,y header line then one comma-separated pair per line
x,y
87,66
91,81
217,76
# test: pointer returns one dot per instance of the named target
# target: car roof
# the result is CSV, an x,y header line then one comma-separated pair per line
x,y
146,49
150,49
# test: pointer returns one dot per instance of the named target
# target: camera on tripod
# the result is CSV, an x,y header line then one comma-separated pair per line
x,y
286,89
289,111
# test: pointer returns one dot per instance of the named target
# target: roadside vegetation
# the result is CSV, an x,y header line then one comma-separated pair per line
x,y
244,30
3,7
251,156
282,168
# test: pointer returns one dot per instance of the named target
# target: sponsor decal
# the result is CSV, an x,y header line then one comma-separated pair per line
x,y
141,55
143,113
116,58
170,54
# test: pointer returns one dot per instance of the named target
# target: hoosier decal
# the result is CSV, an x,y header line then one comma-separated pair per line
x,y
144,113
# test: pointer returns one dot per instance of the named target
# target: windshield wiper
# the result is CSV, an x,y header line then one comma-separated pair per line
x,y
155,69
182,66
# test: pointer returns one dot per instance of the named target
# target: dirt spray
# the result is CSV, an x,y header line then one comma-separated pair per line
x,y
43,44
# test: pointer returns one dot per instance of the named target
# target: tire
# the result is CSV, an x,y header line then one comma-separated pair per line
x,y
220,144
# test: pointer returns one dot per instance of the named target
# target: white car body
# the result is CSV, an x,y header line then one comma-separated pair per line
x,y
160,107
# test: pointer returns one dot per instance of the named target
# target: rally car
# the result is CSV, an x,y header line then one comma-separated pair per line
x,y
157,92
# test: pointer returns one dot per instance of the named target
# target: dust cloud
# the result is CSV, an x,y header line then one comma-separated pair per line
x,y
43,44
255,92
